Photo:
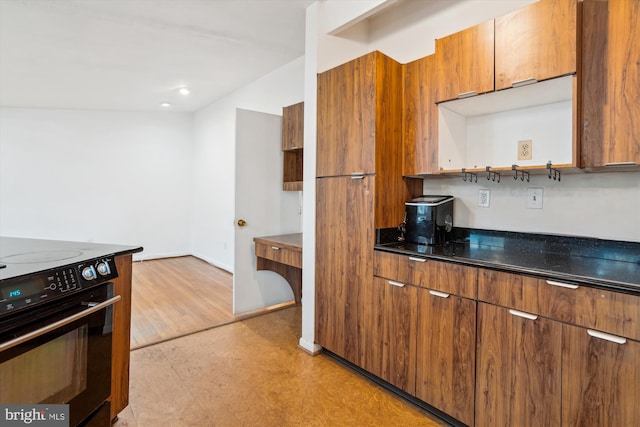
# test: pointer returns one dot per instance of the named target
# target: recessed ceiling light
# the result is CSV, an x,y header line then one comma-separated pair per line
x,y
184,91
165,104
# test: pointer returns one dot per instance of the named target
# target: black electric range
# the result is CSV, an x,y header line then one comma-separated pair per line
x,y
38,271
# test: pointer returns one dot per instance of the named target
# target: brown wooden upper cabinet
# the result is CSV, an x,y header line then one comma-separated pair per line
x,y
535,43
464,62
420,119
292,146
293,127
359,115
610,89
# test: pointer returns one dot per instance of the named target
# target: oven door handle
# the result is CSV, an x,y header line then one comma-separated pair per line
x,y
60,323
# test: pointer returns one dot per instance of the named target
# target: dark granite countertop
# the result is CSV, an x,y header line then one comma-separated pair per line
x,y
592,262
28,256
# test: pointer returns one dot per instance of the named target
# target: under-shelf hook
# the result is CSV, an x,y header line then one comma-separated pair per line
x,y
523,173
470,174
556,172
492,175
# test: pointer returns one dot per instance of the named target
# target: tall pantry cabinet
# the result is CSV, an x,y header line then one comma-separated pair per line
x,y
359,188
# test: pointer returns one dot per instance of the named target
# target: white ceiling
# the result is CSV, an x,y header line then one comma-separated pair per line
x,y
135,54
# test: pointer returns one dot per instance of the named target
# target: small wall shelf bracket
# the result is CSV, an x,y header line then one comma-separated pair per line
x,y
523,173
556,172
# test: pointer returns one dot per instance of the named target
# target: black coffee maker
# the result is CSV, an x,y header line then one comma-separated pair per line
x,y
429,220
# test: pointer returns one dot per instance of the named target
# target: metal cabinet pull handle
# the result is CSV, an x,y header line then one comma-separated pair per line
x,y
562,285
357,175
524,82
417,259
608,337
60,323
439,294
621,164
523,314
275,248
394,283
467,94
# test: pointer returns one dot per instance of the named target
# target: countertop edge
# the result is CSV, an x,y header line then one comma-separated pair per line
x,y
629,288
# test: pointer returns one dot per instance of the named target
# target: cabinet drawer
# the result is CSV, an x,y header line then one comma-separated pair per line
x,y
437,275
607,311
279,254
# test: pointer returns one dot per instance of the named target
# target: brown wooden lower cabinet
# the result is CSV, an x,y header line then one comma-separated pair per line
x,y
389,312
519,371
344,257
446,340
600,379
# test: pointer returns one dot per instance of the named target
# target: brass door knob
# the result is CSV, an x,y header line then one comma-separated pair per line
x,y
242,223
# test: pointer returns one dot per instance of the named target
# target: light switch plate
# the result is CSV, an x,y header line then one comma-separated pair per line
x,y
484,197
534,198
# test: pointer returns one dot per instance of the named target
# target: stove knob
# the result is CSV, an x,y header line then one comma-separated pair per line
x,y
103,268
89,273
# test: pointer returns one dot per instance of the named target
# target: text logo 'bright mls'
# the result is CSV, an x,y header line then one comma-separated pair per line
x,y
40,415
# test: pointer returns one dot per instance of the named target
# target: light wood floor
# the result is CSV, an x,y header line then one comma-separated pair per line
x,y
172,297
251,373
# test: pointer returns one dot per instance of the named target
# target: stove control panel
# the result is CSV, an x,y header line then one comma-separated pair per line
x,y
23,292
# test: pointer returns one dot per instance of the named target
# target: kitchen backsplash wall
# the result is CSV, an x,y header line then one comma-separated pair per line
x,y
600,205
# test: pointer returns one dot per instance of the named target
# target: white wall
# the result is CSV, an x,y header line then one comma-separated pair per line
x,y
600,205
214,158
101,176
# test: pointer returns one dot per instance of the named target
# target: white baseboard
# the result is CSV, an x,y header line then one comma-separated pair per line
x,y
310,347
146,257
227,268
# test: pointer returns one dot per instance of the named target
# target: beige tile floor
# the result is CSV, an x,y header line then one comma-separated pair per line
x,y
251,373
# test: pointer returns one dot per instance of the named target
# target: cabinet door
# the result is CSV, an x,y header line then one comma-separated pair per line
x,y
420,120
518,369
344,260
389,320
600,380
446,353
464,62
346,118
536,42
610,83
293,127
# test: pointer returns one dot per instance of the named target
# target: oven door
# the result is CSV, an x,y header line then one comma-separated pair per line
x,y
60,353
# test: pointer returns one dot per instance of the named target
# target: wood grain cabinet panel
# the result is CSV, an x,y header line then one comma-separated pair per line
x,y
121,336
465,62
610,88
437,275
389,321
518,369
344,260
360,117
446,339
608,311
293,127
600,380
537,41
279,254
420,119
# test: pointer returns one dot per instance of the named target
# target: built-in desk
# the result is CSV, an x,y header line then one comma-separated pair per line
x,y
283,255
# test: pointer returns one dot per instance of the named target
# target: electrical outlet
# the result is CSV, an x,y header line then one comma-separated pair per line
x,y
525,150
484,197
534,198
